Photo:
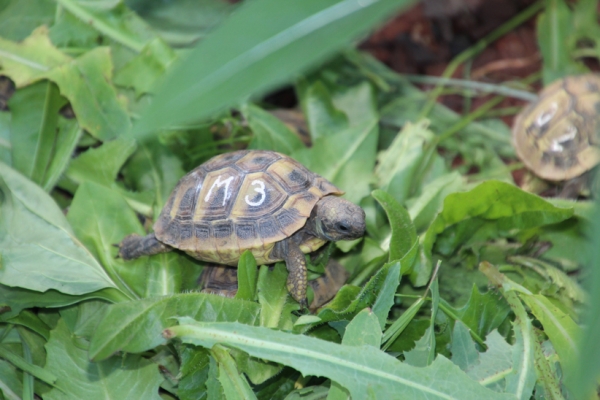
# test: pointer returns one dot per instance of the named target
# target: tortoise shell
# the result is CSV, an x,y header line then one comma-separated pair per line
x,y
556,137
244,200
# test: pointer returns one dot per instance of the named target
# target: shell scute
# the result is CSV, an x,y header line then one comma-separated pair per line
x,y
557,136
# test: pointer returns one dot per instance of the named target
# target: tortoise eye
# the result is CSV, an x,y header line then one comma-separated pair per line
x,y
342,227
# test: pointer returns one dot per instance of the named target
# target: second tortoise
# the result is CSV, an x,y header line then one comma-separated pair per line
x,y
255,200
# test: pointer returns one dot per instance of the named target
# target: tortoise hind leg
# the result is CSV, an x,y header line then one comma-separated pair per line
x,y
134,246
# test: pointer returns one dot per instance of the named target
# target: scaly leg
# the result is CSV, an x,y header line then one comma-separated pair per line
x,y
296,266
134,246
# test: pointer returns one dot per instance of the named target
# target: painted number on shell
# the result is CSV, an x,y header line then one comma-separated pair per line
x,y
218,183
260,189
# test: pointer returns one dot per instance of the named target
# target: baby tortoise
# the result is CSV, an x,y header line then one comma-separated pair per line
x,y
557,136
254,200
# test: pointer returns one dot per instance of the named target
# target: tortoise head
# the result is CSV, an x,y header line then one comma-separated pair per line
x,y
338,219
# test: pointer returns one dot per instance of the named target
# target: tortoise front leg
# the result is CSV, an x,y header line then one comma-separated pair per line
x,y
134,246
296,266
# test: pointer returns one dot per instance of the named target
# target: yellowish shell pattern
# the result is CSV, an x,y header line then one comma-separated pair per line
x,y
557,136
243,200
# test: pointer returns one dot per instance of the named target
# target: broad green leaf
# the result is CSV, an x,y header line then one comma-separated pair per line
x,y
30,60
67,137
23,365
501,206
247,277
554,30
10,384
33,228
522,381
269,132
352,299
386,296
144,70
153,168
362,330
193,372
136,326
214,388
495,364
404,235
423,209
398,165
34,126
399,325
235,385
259,56
15,27
562,331
272,295
322,116
464,353
482,313
101,218
101,164
360,369
129,376
14,299
32,322
114,20
347,157
86,82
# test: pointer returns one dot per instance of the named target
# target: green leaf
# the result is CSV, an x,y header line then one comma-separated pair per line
x,y
322,117
5,145
247,273
124,377
136,326
92,215
503,207
362,330
113,20
270,133
398,165
9,381
495,364
464,353
145,69
386,296
482,313
67,137
347,157
15,27
260,56
404,235
235,385
30,60
562,331
33,128
86,82
554,29
23,365
101,164
153,168
35,230
272,295
362,370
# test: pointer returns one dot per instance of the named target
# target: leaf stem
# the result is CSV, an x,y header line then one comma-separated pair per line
x,y
89,18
